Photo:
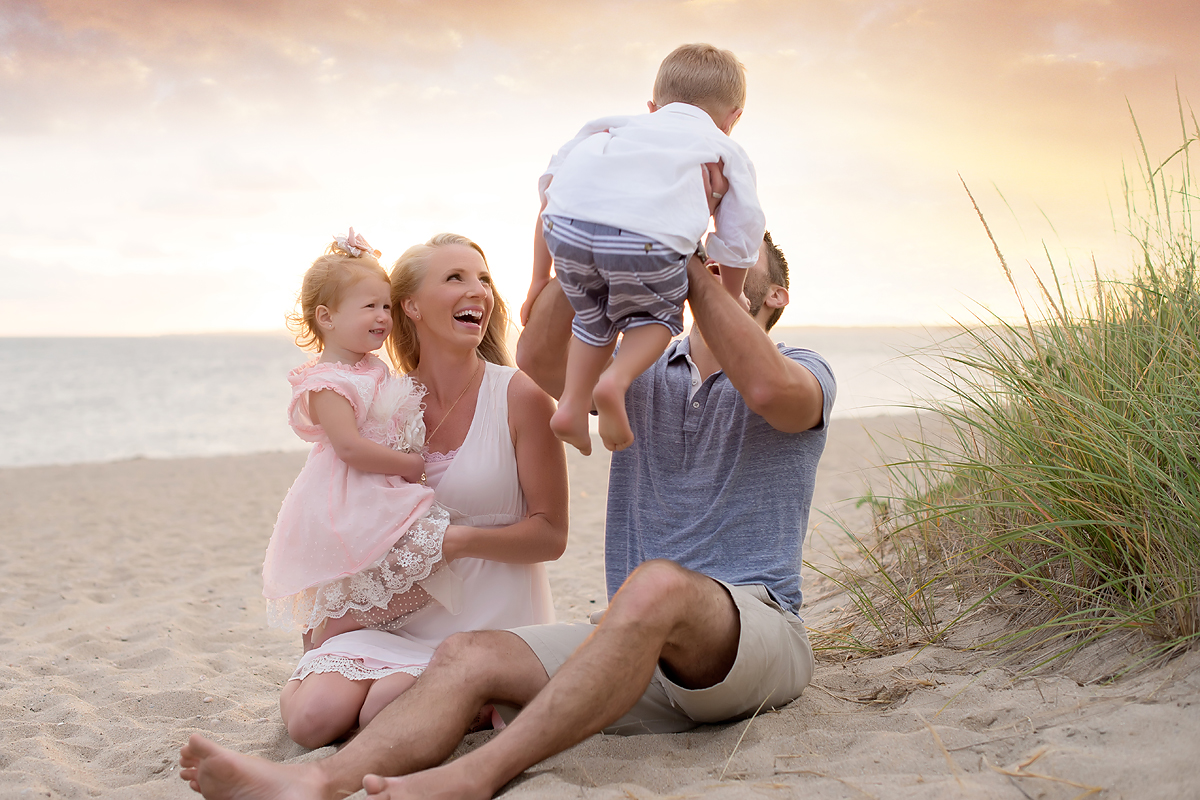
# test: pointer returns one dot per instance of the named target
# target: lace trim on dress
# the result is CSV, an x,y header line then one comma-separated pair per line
x,y
351,668
383,594
436,457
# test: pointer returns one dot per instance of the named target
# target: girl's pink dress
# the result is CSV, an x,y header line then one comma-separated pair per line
x,y
348,540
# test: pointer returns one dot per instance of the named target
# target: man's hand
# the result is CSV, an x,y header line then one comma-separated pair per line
x,y
715,184
535,288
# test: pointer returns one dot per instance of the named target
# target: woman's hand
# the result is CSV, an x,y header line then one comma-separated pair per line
x,y
454,541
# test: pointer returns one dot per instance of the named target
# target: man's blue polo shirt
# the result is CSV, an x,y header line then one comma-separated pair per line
x,y
708,483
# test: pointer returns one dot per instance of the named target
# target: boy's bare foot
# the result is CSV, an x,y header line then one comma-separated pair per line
x,y
614,422
572,429
440,783
216,772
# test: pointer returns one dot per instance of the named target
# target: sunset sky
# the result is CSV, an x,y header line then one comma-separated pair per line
x,y
172,167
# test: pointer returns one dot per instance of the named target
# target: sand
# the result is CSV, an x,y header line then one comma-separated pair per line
x,y
132,617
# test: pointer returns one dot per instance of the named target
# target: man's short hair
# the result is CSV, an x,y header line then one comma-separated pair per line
x,y
703,76
777,272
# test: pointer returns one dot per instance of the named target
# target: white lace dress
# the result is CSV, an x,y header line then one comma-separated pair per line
x,y
478,486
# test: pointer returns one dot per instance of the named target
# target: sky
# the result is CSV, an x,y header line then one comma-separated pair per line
x,y
173,167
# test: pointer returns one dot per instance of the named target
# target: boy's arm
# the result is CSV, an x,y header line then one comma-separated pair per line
x,y
734,281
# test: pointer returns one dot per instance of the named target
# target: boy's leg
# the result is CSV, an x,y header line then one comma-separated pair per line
x,y
585,362
641,346
418,731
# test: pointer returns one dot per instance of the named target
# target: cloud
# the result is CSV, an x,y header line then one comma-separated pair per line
x,y
136,61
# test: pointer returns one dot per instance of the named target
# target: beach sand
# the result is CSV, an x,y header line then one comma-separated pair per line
x,y
133,617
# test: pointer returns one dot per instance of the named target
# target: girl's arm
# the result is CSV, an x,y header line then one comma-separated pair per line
x,y
333,413
542,470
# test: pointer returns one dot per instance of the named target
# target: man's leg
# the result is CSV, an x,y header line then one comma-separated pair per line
x,y
417,731
664,613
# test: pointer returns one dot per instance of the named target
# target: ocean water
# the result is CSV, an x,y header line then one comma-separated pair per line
x,y
66,400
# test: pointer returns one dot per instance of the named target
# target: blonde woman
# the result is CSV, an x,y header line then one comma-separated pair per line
x,y
492,462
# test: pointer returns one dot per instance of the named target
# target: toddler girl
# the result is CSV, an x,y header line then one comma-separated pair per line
x,y
358,542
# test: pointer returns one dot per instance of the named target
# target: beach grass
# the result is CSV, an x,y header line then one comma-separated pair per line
x,y
1065,505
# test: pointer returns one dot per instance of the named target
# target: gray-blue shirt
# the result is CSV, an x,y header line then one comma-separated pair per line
x,y
708,483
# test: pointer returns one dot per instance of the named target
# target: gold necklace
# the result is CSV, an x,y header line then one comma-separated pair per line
x,y
446,416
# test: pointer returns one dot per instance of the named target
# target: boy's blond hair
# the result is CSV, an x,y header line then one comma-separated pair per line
x,y
703,76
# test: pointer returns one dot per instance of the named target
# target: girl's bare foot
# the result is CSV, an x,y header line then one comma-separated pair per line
x,y
218,773
572,428
609,398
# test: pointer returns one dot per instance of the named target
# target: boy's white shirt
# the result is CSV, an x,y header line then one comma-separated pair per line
x,y
642,174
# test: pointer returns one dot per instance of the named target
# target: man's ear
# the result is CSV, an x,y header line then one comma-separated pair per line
x,y
777,297
650,105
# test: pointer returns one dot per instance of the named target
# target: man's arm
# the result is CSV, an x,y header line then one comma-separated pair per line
x,y
545,339
775,387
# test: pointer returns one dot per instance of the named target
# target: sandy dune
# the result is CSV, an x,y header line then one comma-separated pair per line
x,y
133,617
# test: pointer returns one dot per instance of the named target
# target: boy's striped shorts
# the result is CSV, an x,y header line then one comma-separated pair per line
x,y
615,279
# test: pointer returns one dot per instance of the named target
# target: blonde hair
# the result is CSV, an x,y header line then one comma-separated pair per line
x,y
703,76
325,284
407,275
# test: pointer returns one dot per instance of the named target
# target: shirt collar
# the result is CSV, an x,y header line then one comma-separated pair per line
x,y
680,348
689,110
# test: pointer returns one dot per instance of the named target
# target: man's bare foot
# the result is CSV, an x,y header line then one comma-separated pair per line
x,y
614,422
216,772
442,783
572,428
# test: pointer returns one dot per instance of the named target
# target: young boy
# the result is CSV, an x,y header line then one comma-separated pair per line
x,y
623,209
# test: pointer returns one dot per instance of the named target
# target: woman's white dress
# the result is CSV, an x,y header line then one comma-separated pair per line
x,y
479,487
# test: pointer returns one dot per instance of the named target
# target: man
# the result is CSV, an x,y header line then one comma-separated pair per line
x,y
707,515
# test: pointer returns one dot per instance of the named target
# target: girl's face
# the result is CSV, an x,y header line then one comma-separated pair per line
x,y
455,299
363,319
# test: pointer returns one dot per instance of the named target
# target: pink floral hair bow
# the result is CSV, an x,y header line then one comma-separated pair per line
x,y
354,244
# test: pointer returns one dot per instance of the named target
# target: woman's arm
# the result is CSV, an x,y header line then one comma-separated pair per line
x,y
333,413
542,471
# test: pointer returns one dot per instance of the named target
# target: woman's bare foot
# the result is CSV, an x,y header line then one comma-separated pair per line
x,y
609,398
441,783
572,428
218,773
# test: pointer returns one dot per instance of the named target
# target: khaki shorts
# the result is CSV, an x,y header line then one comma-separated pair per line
x,y
774,663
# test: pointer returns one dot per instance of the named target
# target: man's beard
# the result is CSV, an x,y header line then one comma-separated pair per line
x,y
756,290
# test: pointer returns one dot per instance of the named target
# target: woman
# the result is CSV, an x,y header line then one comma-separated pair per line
x,y
494,465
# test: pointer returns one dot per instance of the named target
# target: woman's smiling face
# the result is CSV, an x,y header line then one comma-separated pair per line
x,y
456,296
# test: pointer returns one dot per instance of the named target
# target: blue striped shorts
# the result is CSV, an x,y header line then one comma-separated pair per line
x,y
615,279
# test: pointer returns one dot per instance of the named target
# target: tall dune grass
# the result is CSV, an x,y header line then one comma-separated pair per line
x,y
1066,504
